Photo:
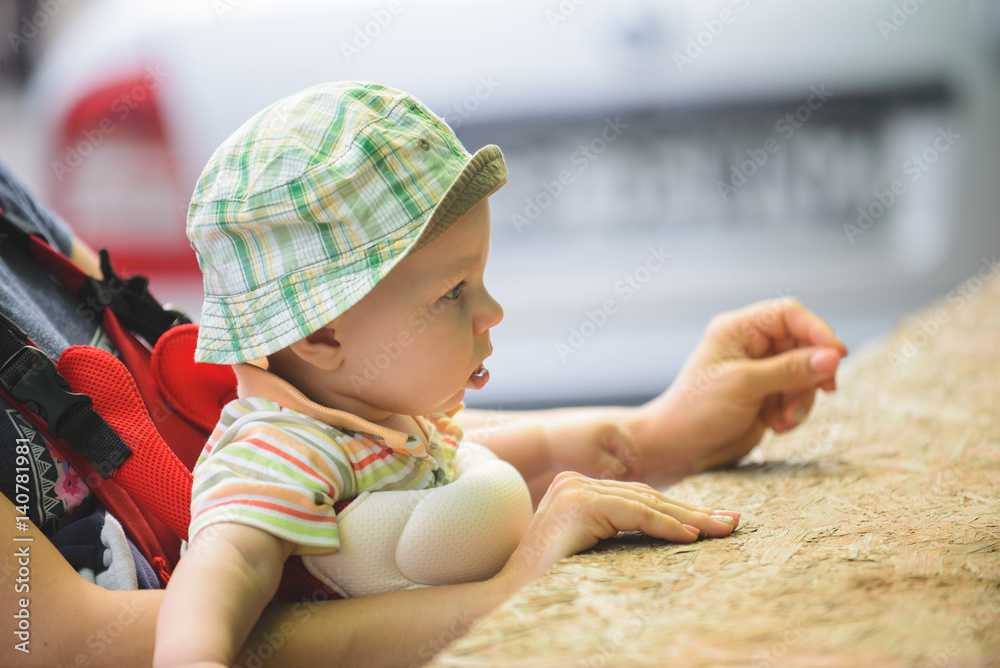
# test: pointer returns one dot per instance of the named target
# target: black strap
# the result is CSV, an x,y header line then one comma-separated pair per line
x,y
30,377
130,301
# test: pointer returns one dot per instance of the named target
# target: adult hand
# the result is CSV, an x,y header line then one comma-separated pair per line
x,y
577,512
755,368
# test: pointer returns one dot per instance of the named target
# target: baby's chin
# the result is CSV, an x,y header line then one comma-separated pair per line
x,y
452,403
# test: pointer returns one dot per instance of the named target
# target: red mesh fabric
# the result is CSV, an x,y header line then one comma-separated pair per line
x,y
195,390
153,475
185,439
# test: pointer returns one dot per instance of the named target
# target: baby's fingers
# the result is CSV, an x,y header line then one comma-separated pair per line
x,y
703,520
643,488
711,523
577,512
637,515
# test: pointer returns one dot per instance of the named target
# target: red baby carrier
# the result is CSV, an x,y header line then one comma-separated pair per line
x,y
131,428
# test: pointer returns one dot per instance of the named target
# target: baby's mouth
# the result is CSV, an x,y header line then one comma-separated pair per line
x,y
479,377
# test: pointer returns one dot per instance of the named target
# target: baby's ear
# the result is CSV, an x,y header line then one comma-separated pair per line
x,y
320,349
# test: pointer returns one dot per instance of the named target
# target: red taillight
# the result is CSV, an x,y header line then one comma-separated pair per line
x,y
115,180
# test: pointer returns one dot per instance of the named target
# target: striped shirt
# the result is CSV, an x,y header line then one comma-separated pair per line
x,y
280,462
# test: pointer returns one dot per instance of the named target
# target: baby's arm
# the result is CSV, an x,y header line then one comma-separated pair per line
x,y
541,444
215,595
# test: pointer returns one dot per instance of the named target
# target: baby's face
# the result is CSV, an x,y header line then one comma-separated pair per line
x,y
417,341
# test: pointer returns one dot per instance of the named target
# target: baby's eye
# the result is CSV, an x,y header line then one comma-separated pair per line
x,y
455,292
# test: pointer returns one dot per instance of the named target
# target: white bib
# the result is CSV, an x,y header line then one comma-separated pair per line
x,y
462,532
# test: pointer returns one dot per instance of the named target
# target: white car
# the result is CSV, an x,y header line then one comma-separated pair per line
x,y
668,160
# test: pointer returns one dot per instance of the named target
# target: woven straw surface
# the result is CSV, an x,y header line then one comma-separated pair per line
x,y
870,535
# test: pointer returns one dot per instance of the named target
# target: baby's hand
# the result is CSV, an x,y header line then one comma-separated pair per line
x,y
577,512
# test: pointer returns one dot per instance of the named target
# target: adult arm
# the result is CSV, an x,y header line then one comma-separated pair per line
x,y
755,369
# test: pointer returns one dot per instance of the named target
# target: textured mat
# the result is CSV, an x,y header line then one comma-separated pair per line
x,y
870,535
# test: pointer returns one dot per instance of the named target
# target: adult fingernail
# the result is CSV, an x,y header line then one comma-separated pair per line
x,y
824,361
727,512
695,530
725,519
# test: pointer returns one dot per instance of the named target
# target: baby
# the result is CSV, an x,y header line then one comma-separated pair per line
x,y
307,223
343,234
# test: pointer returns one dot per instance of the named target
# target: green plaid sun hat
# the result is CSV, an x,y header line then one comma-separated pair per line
x,y
308,205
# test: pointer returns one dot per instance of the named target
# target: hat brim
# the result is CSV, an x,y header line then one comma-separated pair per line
x,y
481,177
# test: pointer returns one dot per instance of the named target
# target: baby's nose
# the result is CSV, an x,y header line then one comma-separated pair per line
x,y
490,315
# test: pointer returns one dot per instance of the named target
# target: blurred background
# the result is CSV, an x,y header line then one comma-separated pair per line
x,y
668,160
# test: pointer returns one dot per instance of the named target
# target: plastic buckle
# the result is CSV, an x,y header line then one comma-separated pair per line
x,y
180,317
42,389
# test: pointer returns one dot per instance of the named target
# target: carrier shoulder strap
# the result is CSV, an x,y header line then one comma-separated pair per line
x,y
130,299
93,448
